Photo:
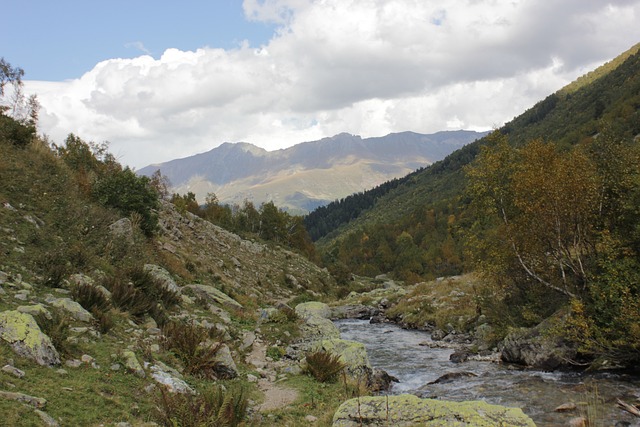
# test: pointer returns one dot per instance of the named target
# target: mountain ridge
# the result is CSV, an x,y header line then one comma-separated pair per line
x,y
309,174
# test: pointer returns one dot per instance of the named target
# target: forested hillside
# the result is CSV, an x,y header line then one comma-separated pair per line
x,y
416,230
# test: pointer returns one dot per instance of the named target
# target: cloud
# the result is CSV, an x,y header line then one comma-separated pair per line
x,y
138,46
368,67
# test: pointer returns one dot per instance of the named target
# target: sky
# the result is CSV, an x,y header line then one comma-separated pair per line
x,y
161,80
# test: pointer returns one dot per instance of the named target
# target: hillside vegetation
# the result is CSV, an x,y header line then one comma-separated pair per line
x,y
572,240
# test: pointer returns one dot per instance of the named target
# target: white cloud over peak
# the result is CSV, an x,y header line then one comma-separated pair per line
x,y
367,67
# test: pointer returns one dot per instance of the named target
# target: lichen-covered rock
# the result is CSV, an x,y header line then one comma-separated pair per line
x,y
538,347
408,410
132,364
211,294
34,310
352,353
122,228
73,308
309,309
24,336
36,402
163,277
318,329
171,382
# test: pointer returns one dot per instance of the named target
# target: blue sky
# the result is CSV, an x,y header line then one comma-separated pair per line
x,y
161,80
62,39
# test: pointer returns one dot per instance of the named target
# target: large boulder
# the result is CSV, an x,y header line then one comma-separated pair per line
x,y
352,353
539,347
310,309
23,334
319,328
226,367
408,410
73,308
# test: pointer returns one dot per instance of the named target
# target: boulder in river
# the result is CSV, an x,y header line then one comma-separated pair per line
x,y
538,347
408,410
355,311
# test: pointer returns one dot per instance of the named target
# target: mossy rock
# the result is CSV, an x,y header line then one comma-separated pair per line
x,y
352,353
318,329
310,309
408,410
73,308
24,336
213,295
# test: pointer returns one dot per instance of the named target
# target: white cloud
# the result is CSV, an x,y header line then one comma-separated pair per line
x,y
368,67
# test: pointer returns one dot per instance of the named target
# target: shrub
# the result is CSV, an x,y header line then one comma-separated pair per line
x,y
128,298
323,366
95,301
54,267
186,340
56,327
216,406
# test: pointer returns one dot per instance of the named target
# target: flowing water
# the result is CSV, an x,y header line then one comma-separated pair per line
x,y
398,351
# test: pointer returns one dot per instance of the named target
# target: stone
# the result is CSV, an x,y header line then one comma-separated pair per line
x,y
12,370
352,353
408,410
23,334
163,277
309,309
73,308
357,311
35,310
170,382
380,380
311,419
122,228
46,419
226,368
459,356
578,422
538,347
452,376
319,328
132,364
36,402
566,407
213,295
247,340
438,334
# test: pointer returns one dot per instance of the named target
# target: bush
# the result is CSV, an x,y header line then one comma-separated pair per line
x,y
216,406
56,327
187,342
95,301
323,366
128,298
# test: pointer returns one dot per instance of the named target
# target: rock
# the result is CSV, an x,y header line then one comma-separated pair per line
x,y
311,419
352,353
24,336
378,318
438,334
13,371
459,356
169,381
213,295
252,378
73,308
357,311
319,328
452,376
578,422
36,402
306,310
47,419
566,407
132,364
248,340
122,228
35,310
380,380
407,410
163,277
538,347
226,368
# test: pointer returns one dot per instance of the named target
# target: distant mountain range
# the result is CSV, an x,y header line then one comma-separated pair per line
x,y
310,174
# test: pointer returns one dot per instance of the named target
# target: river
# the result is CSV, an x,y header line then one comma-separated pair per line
x,y
398,351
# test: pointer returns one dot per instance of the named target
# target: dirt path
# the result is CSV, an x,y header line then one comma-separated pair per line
x,y
275,395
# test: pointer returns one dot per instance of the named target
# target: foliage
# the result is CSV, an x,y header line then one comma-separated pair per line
x,y
188,342
95,301
56,327
323,366
217,406
128,297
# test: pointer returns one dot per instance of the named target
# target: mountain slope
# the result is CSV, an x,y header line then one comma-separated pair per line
x,y
429,204
309,174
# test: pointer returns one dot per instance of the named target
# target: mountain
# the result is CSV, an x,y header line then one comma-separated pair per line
x,y
310,174
430,205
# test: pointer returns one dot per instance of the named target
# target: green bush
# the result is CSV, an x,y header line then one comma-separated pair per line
x,y
323,366
217,406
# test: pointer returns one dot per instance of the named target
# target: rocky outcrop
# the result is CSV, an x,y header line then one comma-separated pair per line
x,y
71,307
354,311
538,347
307,310
23,334
353,354
408,410
215,296
162,277
226,367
